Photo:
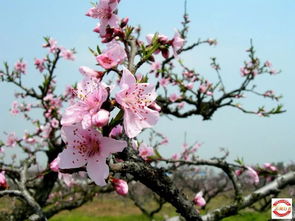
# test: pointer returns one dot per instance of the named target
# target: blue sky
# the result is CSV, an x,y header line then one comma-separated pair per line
x,y
269,23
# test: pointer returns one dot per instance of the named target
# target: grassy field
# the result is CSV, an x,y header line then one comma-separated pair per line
x,y
112,207
117,208
79,217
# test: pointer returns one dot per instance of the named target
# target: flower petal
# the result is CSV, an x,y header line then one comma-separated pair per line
x,y
71,158
110,145
131,126
97,170
127,79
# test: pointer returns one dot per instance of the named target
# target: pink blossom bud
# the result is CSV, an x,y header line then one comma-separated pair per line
x,y
3,182
124,22
97,28
116,131
199,200
238,172
101,118
165,53
118,32
121,186
270,167
54,164
155,107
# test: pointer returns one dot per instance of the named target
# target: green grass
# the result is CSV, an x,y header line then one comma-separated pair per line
x,y
74,216
249,216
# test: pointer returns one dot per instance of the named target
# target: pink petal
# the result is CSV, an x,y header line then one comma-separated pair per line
x,y
131,126
97,170
72,115
110,145
86,121
127,79
71,158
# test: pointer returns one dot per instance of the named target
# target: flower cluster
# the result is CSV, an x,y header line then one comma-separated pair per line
x,y
88,117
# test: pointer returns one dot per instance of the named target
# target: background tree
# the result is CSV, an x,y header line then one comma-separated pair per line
x,y
96,135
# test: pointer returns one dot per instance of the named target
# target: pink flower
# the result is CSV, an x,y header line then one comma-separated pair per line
x,y
270,167
88,147
174,97
164,82
54,123
14,108
112,56
39,63
104,11
121,186
52,44
116,131
199,200
91,96
145,152
11,140
90,73
28,139
205,88
67,54
190,86
101,118
181,105
252,175
177,43
244,71
20,67
3,182
156,66
46,130
54,164
135,99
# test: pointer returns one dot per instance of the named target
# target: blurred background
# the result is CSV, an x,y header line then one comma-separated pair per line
x,y
233,23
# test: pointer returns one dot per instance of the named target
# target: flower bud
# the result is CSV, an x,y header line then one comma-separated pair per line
x,y
155,107
116,131
199,200
124,22
54,164
118,32
3,182
165,53
101,118
121,186
97,28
